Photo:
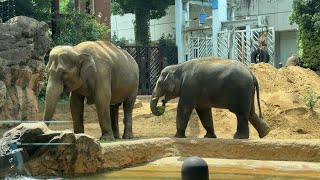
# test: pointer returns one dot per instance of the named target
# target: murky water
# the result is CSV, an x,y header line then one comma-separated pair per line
x,y
174,173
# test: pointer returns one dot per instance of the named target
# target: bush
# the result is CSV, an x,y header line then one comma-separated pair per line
x,y
306,13
168,40
119,42
311,98
78,27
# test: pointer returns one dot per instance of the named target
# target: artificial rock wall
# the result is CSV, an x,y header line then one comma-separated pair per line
x,y
23,44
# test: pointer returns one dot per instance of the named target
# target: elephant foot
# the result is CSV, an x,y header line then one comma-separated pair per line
x,y
178,135
265,132
127,136
181,133
210,135
116,136
241,136
107,138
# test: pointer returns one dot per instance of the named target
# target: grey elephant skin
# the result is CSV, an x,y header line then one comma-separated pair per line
x,y
210,82
101,72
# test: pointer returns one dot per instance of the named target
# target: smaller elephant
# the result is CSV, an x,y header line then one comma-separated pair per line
x,y
209,82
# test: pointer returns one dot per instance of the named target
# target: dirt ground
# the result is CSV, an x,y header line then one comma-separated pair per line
x,y
282,92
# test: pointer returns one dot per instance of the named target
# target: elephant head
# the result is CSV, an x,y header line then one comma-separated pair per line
x,y
168,85
67,71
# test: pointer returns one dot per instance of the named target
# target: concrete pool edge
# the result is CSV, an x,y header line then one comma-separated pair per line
x,y
244,164
130,153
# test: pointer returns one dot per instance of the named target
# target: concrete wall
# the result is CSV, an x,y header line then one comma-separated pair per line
x,y
278,12
288,45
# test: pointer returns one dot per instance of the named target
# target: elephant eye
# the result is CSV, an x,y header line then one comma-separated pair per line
x,y
63,74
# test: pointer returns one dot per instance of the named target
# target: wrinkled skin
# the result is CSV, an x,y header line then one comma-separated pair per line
x,y
104,74
210,82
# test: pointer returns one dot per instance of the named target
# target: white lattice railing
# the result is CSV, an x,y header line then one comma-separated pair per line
x,y
239,44
223,45
199,47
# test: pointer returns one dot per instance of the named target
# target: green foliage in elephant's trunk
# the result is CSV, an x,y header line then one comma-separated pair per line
x,y
161,109
156,110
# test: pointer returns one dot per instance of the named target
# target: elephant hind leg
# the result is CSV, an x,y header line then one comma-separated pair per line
x,y
259,124
114,113
205,115
128,106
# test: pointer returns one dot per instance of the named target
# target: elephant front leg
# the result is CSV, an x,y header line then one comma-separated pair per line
x,y
128,106
103,111
242,127
76,107
205,115
114,113
183,115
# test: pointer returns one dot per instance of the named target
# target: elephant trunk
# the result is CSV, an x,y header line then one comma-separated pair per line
x,y
153,106
53,93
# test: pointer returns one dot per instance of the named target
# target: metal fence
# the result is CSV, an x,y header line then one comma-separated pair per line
x,y
239,44
151,60
7,10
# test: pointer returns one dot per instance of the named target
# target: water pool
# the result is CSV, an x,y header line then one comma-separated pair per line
x,y
173,173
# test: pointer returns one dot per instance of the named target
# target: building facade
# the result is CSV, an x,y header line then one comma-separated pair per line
x,y
278,12
100,8
183,20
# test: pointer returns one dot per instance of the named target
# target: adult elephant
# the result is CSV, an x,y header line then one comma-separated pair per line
x,y
210,82
104,74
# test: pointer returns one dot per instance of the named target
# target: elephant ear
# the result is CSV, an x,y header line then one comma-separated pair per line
x,y
169,81
52,58
87,65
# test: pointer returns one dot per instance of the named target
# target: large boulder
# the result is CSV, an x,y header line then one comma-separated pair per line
x,y
23,44
50,153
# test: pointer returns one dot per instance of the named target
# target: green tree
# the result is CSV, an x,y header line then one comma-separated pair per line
x,y
78,27
37,9
306,14
144,11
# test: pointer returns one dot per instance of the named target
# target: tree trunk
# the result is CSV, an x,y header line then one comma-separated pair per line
x,y
141,27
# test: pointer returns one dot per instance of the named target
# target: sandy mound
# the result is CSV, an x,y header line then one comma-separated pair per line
x,y
283,93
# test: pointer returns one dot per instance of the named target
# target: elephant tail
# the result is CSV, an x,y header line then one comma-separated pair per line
x,y
256,84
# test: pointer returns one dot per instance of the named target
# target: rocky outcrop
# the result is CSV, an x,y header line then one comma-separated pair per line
x,y
23,44
49,153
